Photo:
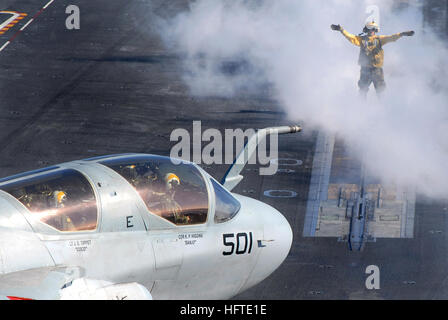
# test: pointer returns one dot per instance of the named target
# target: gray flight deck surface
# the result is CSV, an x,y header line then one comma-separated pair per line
x,y
112,87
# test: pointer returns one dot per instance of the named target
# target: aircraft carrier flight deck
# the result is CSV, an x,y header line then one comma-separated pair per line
x,y
113,87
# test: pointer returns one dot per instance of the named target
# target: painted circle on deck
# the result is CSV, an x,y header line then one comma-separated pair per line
x,y
282,170
280,194
287,162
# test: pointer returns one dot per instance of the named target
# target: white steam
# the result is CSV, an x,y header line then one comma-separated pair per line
x,y
230,46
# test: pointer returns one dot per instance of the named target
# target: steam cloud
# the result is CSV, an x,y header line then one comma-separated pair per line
x,y
235,46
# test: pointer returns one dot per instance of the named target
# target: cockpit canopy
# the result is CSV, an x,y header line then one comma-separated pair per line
x,y
175,192
226,206
63,199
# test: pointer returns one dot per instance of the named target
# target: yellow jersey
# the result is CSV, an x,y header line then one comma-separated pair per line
x,y
372,53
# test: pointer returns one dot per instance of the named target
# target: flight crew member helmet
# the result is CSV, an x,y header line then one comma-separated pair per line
x,y
60,197
371,26
171,180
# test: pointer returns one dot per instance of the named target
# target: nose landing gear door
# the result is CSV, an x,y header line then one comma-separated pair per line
x,y
168,256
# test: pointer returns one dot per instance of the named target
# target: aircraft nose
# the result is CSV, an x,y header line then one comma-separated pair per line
x,y
277,237
273,247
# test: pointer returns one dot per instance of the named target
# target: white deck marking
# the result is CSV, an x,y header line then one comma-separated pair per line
x,y
14,16
26,24
4,46
50,2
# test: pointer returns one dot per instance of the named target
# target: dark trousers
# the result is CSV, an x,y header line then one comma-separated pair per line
x,y
369,75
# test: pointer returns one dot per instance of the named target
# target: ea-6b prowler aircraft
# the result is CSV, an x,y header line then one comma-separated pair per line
x,y
136,226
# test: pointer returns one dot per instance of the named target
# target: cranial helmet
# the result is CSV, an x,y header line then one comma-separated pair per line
x,y
371,26
60,196
171,180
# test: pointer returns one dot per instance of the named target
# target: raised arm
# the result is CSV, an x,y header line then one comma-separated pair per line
x,y
350,37
386,39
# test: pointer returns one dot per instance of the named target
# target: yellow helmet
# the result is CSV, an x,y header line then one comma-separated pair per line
x,y
60,196
171,179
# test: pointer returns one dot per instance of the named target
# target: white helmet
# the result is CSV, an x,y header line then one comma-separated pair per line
x,y
371,26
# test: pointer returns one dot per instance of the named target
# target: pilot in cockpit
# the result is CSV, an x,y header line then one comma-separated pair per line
x,y
159,195
172,183
59,199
